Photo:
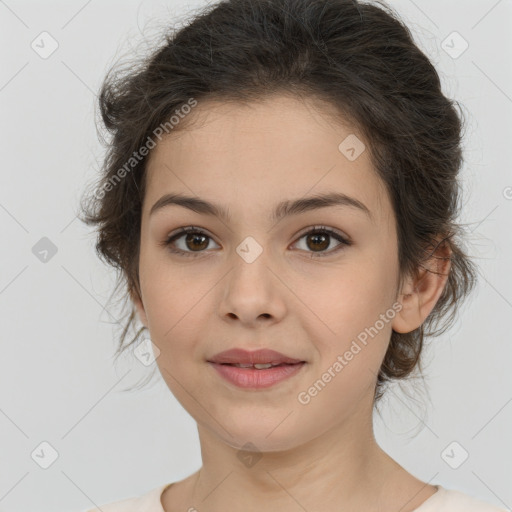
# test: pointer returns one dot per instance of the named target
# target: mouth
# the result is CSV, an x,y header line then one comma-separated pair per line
x,y
259,359
255,369
260,366
258,375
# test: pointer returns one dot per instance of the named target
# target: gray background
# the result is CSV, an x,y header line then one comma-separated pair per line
x,y
58,380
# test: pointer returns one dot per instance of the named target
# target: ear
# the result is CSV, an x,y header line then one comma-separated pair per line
x,y
139,306
420,293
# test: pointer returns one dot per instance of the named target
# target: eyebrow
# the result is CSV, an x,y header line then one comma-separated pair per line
x,y
283,209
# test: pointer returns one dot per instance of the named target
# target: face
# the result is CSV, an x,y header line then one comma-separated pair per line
x,y
311,284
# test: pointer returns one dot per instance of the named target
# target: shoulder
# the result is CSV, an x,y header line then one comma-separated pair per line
x,y
148,502
449,500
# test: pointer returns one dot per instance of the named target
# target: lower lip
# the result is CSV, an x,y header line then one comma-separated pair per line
x,y
256,379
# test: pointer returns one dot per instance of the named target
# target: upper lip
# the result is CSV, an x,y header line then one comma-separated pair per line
x,y
262,356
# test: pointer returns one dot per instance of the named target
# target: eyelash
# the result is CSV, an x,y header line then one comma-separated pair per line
x,y
315,230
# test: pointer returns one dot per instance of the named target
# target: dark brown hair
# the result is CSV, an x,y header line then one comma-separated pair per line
x,y
360,59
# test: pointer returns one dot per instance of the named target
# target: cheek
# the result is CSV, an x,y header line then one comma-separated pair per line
x,y
178,305
169,290
359,291
355,307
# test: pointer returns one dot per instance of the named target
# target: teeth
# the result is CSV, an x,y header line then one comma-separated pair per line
x,y
258,366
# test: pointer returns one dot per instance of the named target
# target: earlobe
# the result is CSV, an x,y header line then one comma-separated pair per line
x,y
420,293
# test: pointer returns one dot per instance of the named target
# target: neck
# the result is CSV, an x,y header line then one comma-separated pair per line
x,y
341,468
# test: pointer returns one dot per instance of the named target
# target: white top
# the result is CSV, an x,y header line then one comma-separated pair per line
x,y
444,500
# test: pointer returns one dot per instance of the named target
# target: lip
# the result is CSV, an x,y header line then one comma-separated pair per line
x,y
252,378
262,356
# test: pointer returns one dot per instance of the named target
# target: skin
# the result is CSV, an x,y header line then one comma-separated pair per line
x,y
319,456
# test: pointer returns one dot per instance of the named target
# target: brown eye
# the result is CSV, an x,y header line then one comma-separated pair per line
x,y
188,241
319,239
196,241
191,241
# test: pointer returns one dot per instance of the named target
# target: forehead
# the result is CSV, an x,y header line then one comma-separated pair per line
x,y
275,148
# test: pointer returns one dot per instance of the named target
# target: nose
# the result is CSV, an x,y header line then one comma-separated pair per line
x,y
253,293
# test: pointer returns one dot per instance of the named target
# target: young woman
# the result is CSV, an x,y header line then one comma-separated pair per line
x,y
280,193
